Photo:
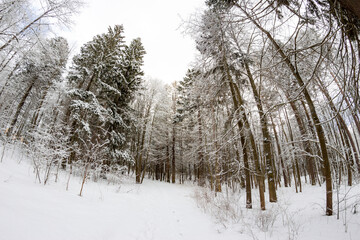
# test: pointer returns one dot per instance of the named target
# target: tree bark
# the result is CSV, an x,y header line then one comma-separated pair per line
x,y
266,137
201,164
84,178
285,175
258,170
314,115
342,123
19,107
217,167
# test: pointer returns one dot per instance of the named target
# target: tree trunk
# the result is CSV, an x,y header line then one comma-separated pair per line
x,y
314,115
84,178
167,166
19,107
342,125
306,144
217,167
243,141
173,155
201,164
285,175
25,28
258,169
266,137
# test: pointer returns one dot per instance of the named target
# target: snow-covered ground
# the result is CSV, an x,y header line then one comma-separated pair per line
x,y
156,210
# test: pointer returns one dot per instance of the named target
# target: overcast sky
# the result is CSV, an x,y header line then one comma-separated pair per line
x,y
156,22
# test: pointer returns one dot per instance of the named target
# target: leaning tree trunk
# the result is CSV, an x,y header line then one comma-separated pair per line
x,y
348,102
19,107
318,127
342,125
243,141
84,178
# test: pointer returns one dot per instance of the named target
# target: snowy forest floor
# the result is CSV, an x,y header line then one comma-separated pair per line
x,y
161,211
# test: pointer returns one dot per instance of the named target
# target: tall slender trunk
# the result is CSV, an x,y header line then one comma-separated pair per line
x,y
181,157
19,107
270,169
147,151
349,161
217,167
309,159
258,170
342,124
201,164
173,166
35,117
140,153
173,155
285,175
243,141
345,96
314,115
291,136
167,166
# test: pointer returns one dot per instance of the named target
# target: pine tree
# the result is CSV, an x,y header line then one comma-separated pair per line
x,y
104,78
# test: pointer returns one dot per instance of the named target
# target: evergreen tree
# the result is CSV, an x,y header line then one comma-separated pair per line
x,y
104,77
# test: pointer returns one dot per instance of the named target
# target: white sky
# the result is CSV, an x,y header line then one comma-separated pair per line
x,y
156,22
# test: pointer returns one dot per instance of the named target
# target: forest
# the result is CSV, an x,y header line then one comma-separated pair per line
x,y
270,104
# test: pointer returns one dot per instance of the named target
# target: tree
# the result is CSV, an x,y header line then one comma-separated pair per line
x,y
39,71
104,78
291,63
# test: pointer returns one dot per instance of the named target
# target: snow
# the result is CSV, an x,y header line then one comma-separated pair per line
x,y
155,210
299,216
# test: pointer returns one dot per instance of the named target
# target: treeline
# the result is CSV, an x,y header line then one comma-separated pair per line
x,y
272,101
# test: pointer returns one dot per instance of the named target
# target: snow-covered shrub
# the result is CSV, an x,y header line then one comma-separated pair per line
x,y
225,207
265,219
